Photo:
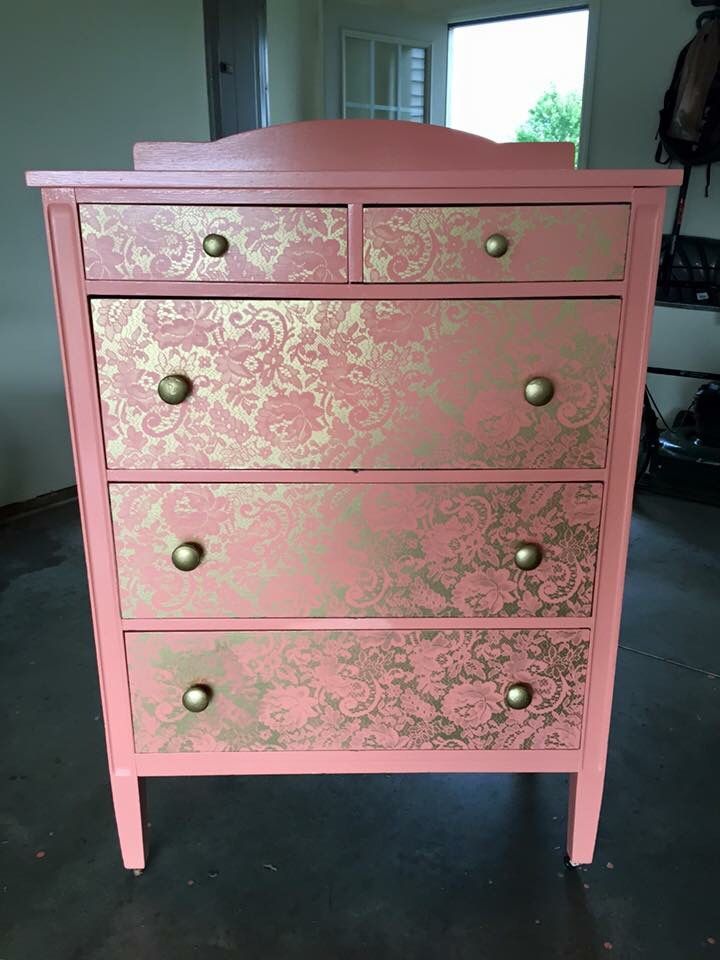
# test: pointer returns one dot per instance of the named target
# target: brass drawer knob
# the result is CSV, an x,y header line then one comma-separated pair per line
x,y
528,556
496,245
187,556
197,698
174,389
539,391
518,696
215,245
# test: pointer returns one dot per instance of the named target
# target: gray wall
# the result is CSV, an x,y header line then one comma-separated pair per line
x,y
80,82
295,61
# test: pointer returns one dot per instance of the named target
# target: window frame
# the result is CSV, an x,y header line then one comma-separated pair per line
x,y
396,41
496,10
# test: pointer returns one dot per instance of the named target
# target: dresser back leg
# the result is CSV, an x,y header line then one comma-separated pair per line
x,y
585,800
128,792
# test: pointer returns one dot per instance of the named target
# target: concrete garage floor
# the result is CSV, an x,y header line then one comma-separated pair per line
x,y
386,866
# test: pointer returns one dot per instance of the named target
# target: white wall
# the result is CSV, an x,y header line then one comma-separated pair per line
x,y
80,82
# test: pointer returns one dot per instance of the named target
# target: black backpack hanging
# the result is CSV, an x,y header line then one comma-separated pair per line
x,y
689,127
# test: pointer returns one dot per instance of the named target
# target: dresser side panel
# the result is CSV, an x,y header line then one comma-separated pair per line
x,y
78,361
643,250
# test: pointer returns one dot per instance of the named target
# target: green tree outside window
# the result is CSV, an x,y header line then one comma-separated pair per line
x,y
554,117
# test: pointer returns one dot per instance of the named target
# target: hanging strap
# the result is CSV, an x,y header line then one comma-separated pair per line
x,y
659,153
665,273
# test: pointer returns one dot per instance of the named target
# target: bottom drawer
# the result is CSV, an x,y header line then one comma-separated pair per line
x,y
358,690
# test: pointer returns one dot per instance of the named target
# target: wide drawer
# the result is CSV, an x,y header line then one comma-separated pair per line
x,y
448,244
358,690
355,384
356,549
152,242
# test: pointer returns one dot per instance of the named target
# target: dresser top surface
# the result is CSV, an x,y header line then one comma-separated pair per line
x,y
353,153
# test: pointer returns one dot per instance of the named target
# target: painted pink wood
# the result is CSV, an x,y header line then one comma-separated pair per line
x,y
355,241
331,145
358,690
86,432
586,788
156,242
450,193
354,291
510,178
332,384
258,762
188,624
445,244
320,550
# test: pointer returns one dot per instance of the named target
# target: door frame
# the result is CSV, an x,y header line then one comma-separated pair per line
x,y
215,20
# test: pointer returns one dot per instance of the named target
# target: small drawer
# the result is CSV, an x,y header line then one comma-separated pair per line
x,y
518,243
358,690
356,549
242,243
394,384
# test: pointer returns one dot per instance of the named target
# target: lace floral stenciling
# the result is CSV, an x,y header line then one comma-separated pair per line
x,y
446,244
358,690
365,550
149,242
342,384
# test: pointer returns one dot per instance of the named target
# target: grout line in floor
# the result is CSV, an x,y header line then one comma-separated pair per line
x,y
673,663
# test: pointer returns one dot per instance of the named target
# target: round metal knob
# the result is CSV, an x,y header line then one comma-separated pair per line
x,y
187,556
197,698
539,391
174,389
518,696
496,245
215,245
528,556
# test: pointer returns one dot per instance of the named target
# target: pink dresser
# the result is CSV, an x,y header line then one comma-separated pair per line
x,y
355,409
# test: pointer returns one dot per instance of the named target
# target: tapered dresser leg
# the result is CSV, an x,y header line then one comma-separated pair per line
x,y
586,790
128,793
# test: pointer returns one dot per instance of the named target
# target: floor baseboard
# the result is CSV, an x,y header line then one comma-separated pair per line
x,y
11,511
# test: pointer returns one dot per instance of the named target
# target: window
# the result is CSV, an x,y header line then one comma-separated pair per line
x,y
385,77
519,78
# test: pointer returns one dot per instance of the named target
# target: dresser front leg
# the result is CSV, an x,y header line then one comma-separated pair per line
x,y
128,793
585,800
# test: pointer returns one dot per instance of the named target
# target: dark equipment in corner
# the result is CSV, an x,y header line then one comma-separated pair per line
x,y
692,277
689,124
684,458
